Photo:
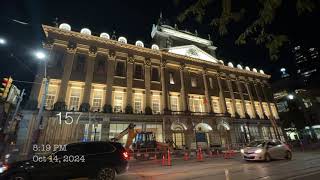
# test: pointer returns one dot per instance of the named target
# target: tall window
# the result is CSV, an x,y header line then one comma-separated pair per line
x,y
100,66
138,71
118,102
216,105
97,100
211,83
193,82
196,104
171,78
50,98
249,109
266,109
229,107
239,108
120,68
58,58
178,136
74,99
174,103
258,109
274,111
156,104
155,74
80,63
137,103
92,132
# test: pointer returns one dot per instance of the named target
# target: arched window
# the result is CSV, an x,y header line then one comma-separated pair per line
x,y
65,26
105,35
155,47
139,43
122,40
85,31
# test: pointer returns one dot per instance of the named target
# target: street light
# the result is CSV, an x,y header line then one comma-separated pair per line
x,y
3,41
290,96
40,55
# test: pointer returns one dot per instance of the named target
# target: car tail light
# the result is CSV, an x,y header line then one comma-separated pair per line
x,y
125,155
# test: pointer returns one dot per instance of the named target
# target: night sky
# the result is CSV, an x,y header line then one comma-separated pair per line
x,y
134,19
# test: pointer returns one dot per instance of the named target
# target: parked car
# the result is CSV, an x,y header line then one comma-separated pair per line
x,y
266,150
99,160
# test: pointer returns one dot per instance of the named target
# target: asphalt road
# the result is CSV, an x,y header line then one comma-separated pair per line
x,y
304,166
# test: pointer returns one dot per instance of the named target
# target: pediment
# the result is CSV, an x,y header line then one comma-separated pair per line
x,y
194,52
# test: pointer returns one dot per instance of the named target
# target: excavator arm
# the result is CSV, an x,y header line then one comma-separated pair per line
x,y
131,135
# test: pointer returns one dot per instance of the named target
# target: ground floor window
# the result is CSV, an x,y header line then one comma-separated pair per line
x,y
92,132
115,129
273,134
157,130
265,133
178,139
254,132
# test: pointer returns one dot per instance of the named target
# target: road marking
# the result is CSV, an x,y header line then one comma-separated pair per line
x,y
226,172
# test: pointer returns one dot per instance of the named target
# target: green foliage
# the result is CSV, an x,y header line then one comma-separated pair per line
x,y
254,31
107,108
148,110
129,109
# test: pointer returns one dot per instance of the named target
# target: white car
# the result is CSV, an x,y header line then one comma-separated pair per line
x,y
266,150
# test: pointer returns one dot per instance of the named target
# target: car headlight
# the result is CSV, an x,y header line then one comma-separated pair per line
x,y
3,168
258,151
242,151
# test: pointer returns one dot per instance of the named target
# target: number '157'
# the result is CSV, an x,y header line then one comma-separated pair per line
x,y
68,119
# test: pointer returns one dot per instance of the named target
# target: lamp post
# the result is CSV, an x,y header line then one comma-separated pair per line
x,y
41,56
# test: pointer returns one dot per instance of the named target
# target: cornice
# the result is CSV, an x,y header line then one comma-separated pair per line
x,y
159,53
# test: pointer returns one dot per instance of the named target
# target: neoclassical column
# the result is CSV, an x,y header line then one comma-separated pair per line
x,y
232,99
164,86
244,108
85,106
68,62
147,81
130,62
183,89
251,100
206,91
110,77
222,100
259,99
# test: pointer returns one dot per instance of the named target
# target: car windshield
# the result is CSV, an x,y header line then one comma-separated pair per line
x,y
256,144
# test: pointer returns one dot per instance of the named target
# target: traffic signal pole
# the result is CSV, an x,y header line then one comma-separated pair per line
x,y
18,104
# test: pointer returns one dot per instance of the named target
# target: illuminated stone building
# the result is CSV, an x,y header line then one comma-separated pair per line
x,y
175,88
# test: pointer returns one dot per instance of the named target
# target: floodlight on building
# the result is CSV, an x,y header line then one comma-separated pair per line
x,y
283,69
290,96
3,41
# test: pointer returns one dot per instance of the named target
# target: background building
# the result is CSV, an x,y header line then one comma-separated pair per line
x,y
177,88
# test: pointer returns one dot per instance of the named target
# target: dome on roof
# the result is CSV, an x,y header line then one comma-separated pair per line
x,y
239,66
85,31
230,64
254,70
122,40
65,26
221,62
261,71
139,43
105,35
155,47
247,68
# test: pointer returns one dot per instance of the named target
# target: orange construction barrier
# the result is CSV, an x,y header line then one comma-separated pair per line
x,y
169,158
186,156
163,160
200,155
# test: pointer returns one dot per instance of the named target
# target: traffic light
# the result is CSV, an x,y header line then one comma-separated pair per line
x,y
5,87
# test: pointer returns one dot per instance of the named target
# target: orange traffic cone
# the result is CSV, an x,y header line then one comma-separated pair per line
x,y
169,158
210,154
218,154
163,160
199,155
186,156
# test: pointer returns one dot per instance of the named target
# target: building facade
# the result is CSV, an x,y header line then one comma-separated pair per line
x,y
176,89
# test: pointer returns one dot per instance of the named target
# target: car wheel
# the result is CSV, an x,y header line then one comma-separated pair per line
x,y
267,157
288,155
19,176
106,174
